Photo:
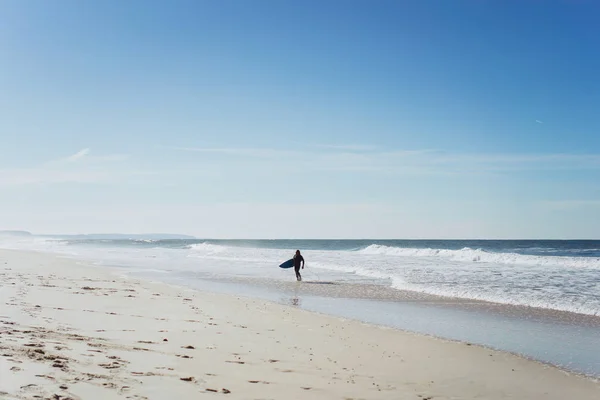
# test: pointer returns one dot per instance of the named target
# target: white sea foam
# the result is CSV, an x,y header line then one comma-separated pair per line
x,y
207,248
481,256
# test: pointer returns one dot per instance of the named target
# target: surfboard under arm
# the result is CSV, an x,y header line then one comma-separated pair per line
x,y
288,264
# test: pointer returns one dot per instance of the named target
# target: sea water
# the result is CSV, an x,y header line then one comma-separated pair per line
x,y
557,275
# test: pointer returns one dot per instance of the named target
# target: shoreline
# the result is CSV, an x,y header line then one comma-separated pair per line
x,y
384,363
421,306
377,292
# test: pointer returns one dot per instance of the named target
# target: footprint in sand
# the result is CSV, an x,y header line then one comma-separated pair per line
x,y
113,365
46,376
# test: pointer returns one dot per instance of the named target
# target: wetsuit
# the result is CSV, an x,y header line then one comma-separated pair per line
x,y
297,260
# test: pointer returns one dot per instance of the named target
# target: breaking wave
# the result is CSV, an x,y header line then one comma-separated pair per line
x,y
481,256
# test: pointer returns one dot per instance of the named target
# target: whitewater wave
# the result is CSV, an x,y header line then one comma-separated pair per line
x,y
511,298
481,256
206,248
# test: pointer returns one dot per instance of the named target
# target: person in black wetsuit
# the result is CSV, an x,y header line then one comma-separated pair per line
x,y
297,260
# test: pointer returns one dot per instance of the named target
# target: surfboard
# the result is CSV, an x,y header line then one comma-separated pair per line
x,y
288,264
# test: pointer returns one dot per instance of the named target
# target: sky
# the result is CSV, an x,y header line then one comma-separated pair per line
x,y
301,119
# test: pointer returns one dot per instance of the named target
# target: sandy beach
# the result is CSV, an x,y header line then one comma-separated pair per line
x,y
75,331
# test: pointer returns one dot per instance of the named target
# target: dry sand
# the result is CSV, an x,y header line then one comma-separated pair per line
x,y
72,331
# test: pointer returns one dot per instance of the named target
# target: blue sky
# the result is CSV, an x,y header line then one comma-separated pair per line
x,y
404,119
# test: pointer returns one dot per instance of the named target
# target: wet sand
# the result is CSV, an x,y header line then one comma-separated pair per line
x,y
367,291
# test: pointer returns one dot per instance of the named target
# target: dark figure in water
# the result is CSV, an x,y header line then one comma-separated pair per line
x,y
297,260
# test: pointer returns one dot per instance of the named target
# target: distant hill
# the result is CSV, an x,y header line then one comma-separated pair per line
x,y
103,236
123,236
15,233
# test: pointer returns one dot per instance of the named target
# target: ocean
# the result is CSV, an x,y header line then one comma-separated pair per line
x,y
536,298
556,275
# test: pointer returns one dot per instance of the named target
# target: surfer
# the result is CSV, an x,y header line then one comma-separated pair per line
x,y
297,260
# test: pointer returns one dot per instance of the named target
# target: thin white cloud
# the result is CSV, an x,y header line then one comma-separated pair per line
x,y
77,156
106,158
538,121
50,176
268,152
263,153
76,168
31,176
230,150
424,161
84,156
346,147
